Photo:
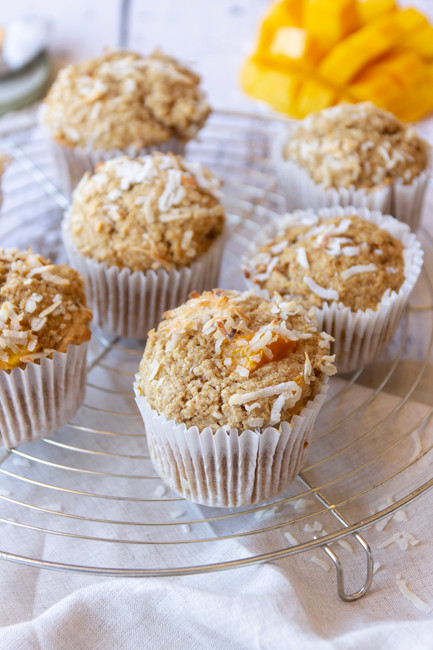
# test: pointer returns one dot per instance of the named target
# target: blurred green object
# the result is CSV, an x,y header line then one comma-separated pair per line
x,y
26,86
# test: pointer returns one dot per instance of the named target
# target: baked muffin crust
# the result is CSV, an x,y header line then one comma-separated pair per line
x,y
228,359
357,144
42,308
146,213
122,100
343,259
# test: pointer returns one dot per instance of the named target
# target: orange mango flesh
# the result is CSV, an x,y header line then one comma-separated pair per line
x,y
240,353
14,359
314,53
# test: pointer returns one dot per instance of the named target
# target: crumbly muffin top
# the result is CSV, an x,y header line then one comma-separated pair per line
x,y
345,259
228,359
146,213
42,308
122,100
359,145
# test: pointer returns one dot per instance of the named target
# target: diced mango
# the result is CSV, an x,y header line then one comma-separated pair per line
x,y
13,361
404,66
368,10
286,13
376,86
315,53
420,40
414,105
348,58
274,86
410,19
314,95
296,45
330,20
240,352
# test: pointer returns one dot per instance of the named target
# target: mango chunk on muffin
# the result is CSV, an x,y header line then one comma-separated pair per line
x,y
231,368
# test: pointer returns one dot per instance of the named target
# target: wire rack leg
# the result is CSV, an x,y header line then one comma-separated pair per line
x,y
334,557
340,573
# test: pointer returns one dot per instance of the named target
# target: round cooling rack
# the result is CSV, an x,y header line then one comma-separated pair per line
x,y
87,499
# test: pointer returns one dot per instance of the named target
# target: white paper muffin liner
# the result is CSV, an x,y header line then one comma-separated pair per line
x,y
360,336
229,468
37,400
73,162
404,202
129,304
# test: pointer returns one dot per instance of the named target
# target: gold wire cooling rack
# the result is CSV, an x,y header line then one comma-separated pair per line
x,y
87,498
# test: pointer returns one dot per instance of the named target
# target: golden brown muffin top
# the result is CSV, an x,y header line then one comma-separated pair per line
x,y
228,359
42,308
146,213
357,144
344,259
123,100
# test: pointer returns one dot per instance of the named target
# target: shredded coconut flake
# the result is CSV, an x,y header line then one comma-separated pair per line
x,y
291,538
315,527
321,563
358,268
301,256
411,597
326,294
288,386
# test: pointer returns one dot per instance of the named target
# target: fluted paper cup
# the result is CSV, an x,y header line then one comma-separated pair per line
x,y
229,468
360,336
404,202
40,398
130,303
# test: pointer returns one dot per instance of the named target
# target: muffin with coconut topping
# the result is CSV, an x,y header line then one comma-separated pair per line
x,y
144,232
121,102
229,388
43,333
355,154
355,267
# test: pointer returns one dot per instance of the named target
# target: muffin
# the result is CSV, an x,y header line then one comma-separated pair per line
x,y
354,154
144,233
229,387
119,103
354,268
43,344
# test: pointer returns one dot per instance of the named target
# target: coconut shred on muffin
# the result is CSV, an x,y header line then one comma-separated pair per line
x,y
123,100
147,213
345,259
357,145
227,359
42,308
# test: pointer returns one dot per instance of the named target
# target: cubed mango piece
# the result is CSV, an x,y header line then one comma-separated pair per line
x,y
368,10
352,54
296,45
330,20
410,19
405,66
314,95
276,87
286,13
420,40
414,105
240,353
376,86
